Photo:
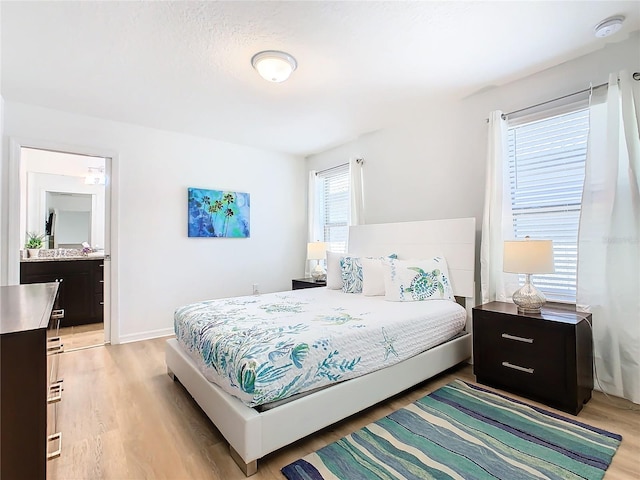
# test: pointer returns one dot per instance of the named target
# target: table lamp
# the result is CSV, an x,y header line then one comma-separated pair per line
x,y
528,257
317,251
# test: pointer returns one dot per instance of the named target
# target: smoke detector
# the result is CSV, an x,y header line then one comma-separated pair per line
x,y
609,26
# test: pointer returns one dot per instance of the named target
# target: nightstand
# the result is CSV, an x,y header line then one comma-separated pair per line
x,y
547,357
299,283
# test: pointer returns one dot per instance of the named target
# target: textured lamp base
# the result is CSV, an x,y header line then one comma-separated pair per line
x,y
318,273
528,298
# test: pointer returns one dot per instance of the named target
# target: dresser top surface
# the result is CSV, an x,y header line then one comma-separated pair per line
x,y
550,313
26,307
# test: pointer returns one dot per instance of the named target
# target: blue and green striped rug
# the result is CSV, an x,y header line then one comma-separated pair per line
x,y
463,431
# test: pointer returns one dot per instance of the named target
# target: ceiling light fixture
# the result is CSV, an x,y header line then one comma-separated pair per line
x,y
273,65
609,26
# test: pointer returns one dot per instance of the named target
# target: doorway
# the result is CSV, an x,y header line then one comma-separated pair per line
x,y
64,198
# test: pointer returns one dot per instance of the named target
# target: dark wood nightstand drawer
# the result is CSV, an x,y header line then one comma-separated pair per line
x,y
545,356
299,283
523,356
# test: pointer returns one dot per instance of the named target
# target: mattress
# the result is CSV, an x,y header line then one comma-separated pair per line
x,y
266,348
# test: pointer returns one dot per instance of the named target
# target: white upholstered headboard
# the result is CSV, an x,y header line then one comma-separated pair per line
x,y
453,239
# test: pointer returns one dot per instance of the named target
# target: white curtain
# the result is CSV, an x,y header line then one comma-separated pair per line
x,y
609,238
496,222
313,228
356,191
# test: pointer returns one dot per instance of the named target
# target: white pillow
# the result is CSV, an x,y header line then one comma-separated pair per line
x,y
334,272
416,280
372,277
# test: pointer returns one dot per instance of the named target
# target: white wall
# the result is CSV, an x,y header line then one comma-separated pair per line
x,y
433,166
158,267
3,190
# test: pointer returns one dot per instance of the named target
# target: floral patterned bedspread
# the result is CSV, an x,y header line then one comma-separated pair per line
x,y
269,347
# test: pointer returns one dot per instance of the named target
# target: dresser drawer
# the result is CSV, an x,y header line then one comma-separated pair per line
x,y
54,344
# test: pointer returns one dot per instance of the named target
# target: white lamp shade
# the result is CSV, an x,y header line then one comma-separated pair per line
x,y
316,250
528,256
274,66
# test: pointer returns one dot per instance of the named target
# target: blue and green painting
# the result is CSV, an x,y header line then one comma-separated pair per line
x,y
216,213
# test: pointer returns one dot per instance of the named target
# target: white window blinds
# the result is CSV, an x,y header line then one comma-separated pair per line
x,y
334,206
546,170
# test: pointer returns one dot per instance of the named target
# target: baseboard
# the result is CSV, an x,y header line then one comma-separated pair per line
x,y
148,335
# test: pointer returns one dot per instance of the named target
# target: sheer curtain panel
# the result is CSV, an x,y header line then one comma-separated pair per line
x,y
496,221
356,191
609,238
314,232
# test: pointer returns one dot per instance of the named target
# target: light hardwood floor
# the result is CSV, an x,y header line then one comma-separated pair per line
x,y
82,336
123,418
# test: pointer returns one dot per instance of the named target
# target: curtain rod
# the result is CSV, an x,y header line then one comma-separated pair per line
x,y
332,168
505,115
636,76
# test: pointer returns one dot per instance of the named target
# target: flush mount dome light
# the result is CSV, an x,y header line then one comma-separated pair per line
x,y
609,26
274,66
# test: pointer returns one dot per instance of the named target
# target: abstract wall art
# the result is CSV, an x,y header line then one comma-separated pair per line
x,y
218,213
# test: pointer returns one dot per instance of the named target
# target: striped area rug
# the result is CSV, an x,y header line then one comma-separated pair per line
x,y
462,431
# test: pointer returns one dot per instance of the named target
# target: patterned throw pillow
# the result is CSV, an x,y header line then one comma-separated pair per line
x,y
416,280
334,273
352,272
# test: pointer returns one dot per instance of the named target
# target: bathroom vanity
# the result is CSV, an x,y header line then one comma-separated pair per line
x,y
81,285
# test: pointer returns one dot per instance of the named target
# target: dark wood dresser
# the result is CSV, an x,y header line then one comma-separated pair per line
x,y
26,370
546,357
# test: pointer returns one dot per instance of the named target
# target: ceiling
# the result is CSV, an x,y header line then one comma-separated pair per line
x,y
185,66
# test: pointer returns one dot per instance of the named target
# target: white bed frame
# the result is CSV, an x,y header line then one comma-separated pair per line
x,y
252,434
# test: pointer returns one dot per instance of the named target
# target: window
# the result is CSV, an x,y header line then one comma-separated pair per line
x,y
334,204
546,172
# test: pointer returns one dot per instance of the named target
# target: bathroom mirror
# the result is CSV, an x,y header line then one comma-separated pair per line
x,y
68,219
63,198
65,209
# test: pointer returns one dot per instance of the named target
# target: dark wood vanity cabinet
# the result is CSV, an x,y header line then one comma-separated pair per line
x,y
81,286
97,303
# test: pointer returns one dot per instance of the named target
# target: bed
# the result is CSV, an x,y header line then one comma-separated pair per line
x,y
252,433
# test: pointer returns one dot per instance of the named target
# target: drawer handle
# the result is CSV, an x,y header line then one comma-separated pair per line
x,y
517,367
57,313
101,303
101,281
55,392
55,350
101,265
56,437
519,339
56,346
